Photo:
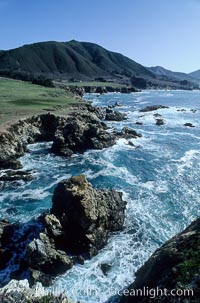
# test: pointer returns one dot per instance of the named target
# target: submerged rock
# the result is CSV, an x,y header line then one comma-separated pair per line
x,y
128,133
152,108
189,125
138,123
174,266
160,122
87,215
105,268
157,115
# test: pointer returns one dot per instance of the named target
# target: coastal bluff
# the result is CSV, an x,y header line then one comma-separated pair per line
x,y
174,266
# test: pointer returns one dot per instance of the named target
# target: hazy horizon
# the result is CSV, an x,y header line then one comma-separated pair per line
x,y
152,33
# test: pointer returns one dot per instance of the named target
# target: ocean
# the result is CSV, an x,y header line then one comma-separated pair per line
x,y
159,176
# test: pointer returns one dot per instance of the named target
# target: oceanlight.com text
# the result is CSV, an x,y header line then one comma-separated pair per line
x,y
143,292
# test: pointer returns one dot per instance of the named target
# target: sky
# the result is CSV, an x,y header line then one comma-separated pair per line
x,y
151,32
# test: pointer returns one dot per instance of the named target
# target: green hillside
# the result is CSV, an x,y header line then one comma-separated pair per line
x,y
81,60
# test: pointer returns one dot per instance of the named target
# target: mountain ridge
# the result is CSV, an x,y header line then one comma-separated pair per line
x,y
163,72
67,59
86,61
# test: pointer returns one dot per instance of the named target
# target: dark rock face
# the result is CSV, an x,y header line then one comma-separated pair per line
x,y
173,266
86,131
14,141
152,108
114,115
87,215
82,132
189,125
12,163
6,233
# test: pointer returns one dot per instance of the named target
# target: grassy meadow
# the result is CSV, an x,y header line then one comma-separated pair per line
x,y
20,99
93,83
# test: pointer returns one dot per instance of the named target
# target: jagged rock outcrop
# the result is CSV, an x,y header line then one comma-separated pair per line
x,y
128,133
87,215
174,266
99,89
13,142
81,132
79,225
114,115
86,131
152,108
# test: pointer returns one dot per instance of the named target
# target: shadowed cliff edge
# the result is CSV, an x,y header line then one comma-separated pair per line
x,y
175,267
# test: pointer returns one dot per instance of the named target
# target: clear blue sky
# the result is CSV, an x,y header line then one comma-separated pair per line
x,y
152,32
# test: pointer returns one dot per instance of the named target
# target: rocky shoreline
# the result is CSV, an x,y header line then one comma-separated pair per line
x,y
98,89
82,218
83,129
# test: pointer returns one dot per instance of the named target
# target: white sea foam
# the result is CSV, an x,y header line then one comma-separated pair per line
x,y
159,180
187,161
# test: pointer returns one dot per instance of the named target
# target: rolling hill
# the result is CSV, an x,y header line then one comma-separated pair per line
x,y
195,74
85,61
82,60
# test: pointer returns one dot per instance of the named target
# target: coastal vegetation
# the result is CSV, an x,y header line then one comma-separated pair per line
x,y
20,99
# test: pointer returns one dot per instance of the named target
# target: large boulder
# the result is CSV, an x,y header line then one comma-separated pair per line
x,y
87,215
174,266
78,226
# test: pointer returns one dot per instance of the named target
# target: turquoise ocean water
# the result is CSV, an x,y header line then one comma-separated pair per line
x,y
159,178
